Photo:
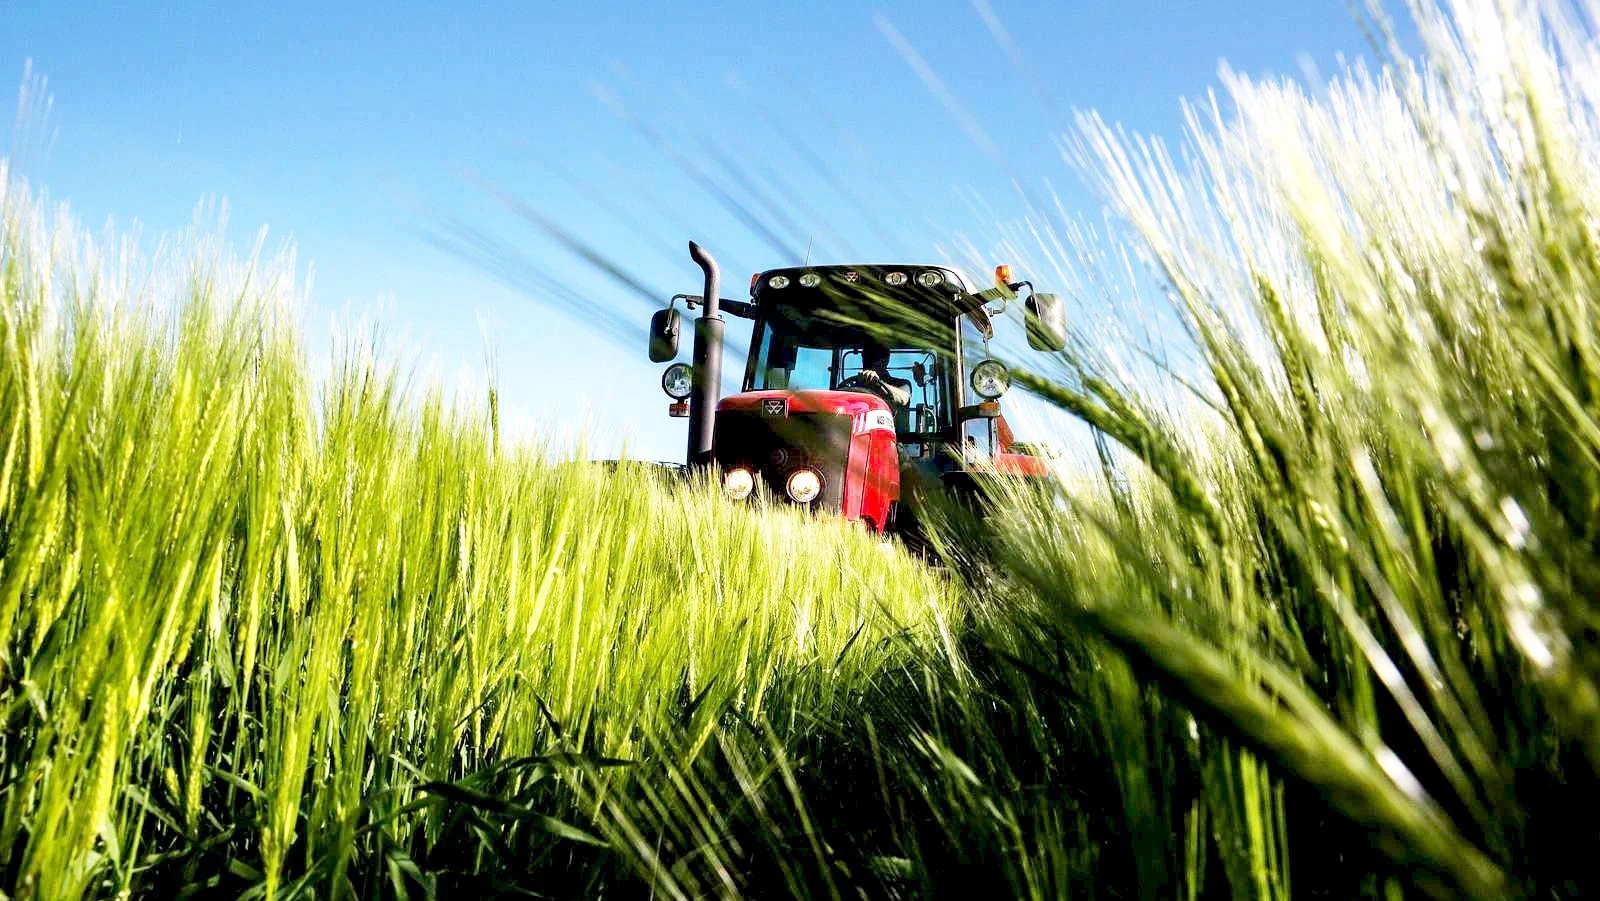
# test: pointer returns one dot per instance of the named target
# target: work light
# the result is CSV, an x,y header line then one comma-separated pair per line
x,y
930,278
778,281
990,379
737,483
678,381
810,280
803,486
894,279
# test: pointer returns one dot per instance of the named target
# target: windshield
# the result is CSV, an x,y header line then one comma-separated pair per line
x,y
832,359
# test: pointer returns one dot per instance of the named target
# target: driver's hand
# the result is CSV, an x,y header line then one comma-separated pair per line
x,y
868,375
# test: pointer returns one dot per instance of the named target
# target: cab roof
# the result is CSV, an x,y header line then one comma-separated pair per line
x,y
927,293
867,274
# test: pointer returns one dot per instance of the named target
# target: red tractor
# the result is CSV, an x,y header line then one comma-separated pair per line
x,y
863,386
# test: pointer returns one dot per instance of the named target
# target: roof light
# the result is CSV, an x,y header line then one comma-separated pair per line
x,y
1002,275
778,281
810,280
895,279
930,278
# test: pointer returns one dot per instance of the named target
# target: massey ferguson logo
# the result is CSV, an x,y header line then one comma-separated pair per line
x,y
776,406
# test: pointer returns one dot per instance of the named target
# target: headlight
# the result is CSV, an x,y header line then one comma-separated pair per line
x,y
737,483
804,486
810,280
930,278
778,281
894,279
677,381
990,379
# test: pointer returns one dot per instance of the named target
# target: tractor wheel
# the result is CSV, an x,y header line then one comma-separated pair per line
x,y
905,527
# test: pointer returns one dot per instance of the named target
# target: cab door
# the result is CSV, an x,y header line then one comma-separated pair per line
x,y
977,436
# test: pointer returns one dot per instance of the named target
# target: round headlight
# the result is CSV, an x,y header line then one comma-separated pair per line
x,y
810,280
990,379
737,483
804,486
930,278
894,279
778,281
678,381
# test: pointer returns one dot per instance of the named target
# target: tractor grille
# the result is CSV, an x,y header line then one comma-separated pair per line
x,y
776,446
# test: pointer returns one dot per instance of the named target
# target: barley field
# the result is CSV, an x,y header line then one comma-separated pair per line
x,y
1316,619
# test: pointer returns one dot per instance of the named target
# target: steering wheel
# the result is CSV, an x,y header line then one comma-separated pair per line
x,y
877,388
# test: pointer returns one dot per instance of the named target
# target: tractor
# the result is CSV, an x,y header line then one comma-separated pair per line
x,y
865,386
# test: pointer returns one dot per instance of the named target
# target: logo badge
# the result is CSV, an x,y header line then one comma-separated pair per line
x,y
874,421
852,277
775,406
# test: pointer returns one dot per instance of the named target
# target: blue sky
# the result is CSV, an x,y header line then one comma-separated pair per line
x,y
359,131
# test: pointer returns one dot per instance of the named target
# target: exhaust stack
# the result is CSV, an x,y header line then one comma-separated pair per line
x,y
707,363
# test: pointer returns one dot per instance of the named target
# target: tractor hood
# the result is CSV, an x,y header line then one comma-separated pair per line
x,y
776,433
786,403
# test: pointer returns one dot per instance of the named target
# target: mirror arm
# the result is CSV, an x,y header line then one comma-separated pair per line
x,y
989,409
1008,292
740,308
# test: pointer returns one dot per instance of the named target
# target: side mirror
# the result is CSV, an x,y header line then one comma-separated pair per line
x,y
664,335
1047,322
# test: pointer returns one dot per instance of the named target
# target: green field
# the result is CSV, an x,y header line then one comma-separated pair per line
x,y
1319,622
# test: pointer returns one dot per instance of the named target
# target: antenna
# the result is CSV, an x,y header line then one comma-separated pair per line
x,y
808,249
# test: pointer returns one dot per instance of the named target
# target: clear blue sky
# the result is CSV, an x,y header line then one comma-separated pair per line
x,y
350,127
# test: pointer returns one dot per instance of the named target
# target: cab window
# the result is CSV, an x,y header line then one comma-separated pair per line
x,y
977,435
794,367
822,358
929,410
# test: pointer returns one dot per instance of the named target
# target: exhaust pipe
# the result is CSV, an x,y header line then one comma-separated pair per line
x,y
707,366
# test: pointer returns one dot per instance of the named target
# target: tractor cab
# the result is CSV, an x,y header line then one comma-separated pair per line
x,y
860,382
808,340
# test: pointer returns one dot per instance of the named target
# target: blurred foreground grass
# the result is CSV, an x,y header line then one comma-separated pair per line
x,y
1323,625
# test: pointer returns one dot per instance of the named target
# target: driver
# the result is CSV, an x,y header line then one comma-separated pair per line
x,y
874,376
